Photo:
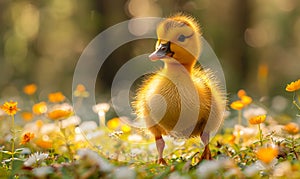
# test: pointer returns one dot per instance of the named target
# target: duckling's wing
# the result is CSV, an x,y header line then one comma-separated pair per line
x,y
217,102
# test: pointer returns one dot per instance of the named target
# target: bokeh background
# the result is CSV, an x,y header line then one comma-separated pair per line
x,y
257,42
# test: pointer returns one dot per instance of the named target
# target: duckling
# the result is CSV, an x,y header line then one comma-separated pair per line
x,y
182,99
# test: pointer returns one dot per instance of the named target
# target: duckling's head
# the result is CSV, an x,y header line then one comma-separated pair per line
x,y
179,39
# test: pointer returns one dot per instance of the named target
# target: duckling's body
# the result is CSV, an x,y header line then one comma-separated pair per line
x,y
179,100
159,102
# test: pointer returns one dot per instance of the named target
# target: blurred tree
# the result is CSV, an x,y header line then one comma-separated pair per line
x,y
257,42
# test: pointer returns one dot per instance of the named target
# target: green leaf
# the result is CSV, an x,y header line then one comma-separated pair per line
x,y
61,159
19,149
6,152
16,167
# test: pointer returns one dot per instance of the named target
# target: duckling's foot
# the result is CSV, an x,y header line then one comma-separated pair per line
x,y
206,155
160,145
161,161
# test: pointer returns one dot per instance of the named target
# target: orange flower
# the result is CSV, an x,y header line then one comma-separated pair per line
x,y
267,154
59,114
27,137
39,123
39,108
80,88
27,116
30,89
81,91
232,139
10,107
56,97
257,119
241,93
45,144
293,86
263,71
237,105
244,98
291,128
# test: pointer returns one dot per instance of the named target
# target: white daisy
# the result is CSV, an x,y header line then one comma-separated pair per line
x,y
135,138
207,168
251,171
94,158
36,158
124,173
71,121
42,171
87,126
283,169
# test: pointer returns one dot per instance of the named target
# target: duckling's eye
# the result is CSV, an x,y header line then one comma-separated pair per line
x,y
163,48
181,38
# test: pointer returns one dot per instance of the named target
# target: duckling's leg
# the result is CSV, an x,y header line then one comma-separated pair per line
x,y
160,145
206,155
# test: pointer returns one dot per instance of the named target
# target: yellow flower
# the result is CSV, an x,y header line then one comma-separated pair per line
x,y
81,91
45,144
116,123
246,100
30,89
113,123
27,137
39,108
56,97
257,119
267,154
27,116
10,107
293,86
59,114
291,128
237,105
125,128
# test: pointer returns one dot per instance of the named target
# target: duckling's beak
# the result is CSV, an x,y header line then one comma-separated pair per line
x,y
163,50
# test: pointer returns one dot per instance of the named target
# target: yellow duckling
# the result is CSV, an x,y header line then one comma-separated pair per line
x,y
180,100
